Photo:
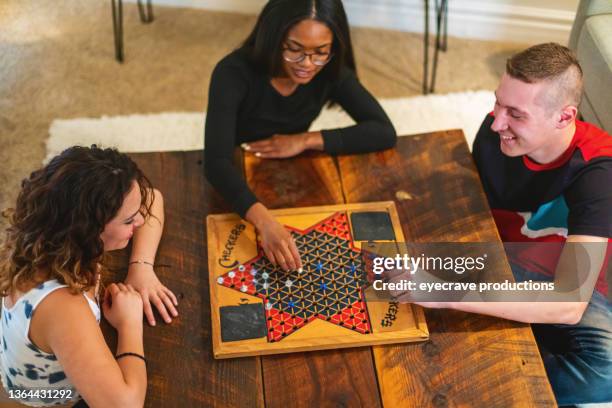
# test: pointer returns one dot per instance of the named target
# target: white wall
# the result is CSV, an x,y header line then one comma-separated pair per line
x,y
527,21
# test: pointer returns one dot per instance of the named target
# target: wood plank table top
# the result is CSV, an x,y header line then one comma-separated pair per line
x,y
470,360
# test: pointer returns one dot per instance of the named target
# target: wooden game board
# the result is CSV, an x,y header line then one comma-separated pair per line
x,y
257,308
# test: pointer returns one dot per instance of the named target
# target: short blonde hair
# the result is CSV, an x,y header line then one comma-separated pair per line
x,y
550,62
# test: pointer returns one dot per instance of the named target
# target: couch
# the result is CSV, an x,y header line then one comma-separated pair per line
x,y
591,40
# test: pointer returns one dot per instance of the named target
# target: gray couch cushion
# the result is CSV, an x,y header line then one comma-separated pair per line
x,y
588,113
595,55
586,9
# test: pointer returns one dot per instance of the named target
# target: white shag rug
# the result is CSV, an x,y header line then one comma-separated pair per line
x,y
180,131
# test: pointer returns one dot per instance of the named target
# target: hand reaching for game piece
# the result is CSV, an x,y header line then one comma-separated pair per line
x,y
276,241
279,246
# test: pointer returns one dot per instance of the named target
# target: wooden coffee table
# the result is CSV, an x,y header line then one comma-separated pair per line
x,y
469,360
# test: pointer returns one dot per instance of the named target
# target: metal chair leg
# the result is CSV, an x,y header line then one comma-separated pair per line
x,y
426,50
146,14
117,7
441,9
445,26
439,22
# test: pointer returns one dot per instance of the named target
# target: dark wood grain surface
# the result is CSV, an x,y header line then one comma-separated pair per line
x,y
344,378
181,368
307,180
470,360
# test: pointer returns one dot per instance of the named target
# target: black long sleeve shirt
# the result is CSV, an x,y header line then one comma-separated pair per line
x,y
244,107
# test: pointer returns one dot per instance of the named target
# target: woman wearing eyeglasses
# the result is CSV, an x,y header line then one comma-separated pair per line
x,y
264,96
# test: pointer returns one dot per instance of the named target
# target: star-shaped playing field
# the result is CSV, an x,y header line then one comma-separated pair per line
x,y
328,288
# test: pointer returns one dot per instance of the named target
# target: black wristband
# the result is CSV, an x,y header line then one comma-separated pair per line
x,y
132,355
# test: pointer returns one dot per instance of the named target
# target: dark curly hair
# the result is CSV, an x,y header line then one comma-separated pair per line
x,y
60,213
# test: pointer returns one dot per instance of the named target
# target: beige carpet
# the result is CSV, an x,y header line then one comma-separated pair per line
x,y
57,61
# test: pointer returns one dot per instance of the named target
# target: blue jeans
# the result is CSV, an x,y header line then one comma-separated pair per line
x,y
577,358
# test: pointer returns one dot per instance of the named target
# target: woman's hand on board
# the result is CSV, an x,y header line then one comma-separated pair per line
x,y
276,241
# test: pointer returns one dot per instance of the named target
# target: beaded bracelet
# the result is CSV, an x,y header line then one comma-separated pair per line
x,y
132,355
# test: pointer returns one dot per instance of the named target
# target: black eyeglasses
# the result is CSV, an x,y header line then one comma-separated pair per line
x,y
317,58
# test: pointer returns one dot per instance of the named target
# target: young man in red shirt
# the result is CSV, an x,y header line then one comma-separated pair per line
x,y
548,178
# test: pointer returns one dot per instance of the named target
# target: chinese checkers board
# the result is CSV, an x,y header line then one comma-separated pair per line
x,y
257,308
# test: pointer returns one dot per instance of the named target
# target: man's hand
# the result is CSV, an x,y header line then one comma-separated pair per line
x,y
145,281
437,305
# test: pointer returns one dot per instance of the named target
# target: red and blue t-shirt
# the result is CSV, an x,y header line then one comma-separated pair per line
x,y
534,202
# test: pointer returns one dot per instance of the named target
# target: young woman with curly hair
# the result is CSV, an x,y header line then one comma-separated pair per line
x,y
85,202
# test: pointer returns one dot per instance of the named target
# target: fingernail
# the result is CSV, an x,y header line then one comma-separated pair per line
x,y
153,324
168,320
